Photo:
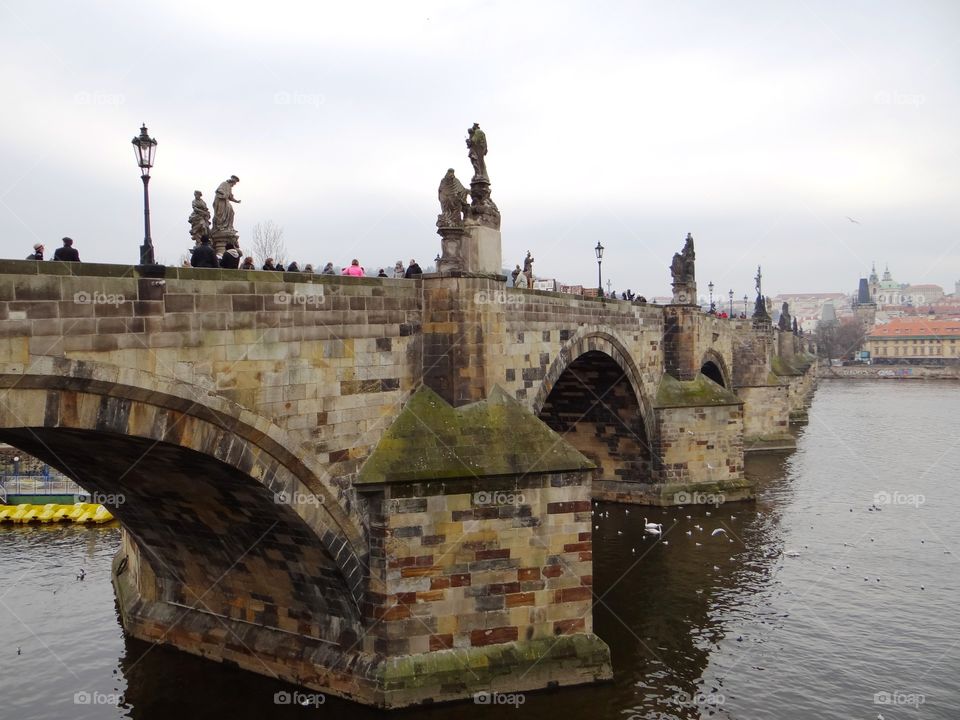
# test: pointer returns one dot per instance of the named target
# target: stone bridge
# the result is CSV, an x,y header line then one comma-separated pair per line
x,y
377,488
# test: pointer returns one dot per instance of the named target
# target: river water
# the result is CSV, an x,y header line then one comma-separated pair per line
x,y
808,605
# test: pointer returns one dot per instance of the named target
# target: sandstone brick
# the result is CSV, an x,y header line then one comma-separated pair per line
x,y
493,636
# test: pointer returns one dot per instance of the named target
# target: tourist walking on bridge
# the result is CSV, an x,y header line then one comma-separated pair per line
x,y
413,270
67,253
354,270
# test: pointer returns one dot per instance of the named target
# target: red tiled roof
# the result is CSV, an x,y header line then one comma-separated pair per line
x,y
917,327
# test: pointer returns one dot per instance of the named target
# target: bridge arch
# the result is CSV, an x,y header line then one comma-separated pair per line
x,y
115,431
715,367
593,394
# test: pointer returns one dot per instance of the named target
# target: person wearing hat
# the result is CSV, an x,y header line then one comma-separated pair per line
x,y
68,252
37,253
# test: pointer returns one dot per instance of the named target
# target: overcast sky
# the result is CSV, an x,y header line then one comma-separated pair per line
x,y
757,126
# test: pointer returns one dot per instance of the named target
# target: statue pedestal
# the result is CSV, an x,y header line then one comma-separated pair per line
x,y
481,249
685,293
451,244
219,239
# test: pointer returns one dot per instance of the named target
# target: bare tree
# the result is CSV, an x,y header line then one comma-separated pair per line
x,y
839,339
266,241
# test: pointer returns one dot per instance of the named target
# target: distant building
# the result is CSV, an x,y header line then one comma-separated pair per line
x,y
545,284
574,289
916,340
828,314
807,308
886,292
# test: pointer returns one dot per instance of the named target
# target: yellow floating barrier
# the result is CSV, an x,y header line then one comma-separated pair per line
x,y
82,513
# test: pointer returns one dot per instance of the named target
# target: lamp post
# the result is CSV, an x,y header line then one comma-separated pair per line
x,y
746,299
730,294
599,251
144,148
710,288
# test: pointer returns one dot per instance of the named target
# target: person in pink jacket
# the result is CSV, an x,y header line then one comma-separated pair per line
x,y
355,269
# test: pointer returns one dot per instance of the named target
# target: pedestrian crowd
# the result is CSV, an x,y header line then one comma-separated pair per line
x,y
204,256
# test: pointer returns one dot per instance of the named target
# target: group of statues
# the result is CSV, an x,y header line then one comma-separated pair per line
x,y
523,278
455,207
222,223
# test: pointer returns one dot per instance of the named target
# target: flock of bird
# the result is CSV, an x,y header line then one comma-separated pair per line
x,y
655,529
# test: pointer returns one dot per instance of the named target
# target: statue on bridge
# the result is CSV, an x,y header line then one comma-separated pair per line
x,y
223,231
453,201
760,314
483,211
784,322
528,268
683,270
453,206
222,209
477,146
470,231
200,218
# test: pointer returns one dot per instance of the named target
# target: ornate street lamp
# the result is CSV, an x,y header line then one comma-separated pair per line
x,y
730,294
710,288
144,148
599,251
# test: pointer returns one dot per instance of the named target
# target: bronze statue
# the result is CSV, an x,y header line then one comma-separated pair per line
x,y
453,201
222,209
200,218
757,280
477,144
528,267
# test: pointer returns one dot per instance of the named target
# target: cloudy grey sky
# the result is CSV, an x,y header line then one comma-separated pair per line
x,y
757,126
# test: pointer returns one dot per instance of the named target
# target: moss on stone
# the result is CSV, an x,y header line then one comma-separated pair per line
x,y
430,440
489,661
693,393
791,366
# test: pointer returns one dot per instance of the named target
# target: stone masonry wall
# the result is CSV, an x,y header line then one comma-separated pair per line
x,y
463,566
701,450
330,359
539,328
766,417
